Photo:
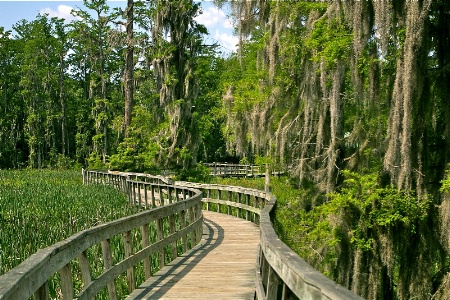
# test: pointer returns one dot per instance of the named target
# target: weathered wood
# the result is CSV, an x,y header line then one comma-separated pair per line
x,y
42,292
221,267
172,230
160,235
85,268
278,267
145,243
66,282
184,240
128,246
108,263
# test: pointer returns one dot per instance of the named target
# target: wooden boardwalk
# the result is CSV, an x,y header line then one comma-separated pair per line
x,y
222,266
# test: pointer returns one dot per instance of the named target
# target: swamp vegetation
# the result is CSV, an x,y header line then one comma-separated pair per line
x,y
351,97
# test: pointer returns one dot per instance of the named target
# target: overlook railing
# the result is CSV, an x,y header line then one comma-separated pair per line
x,y
173,225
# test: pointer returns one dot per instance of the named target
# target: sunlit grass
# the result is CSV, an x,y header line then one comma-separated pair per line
x,y
39,208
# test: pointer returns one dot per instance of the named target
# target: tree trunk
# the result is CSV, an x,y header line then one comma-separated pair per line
x,y
129,78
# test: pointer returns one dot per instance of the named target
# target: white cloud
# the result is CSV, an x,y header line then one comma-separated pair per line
x,y
62,11
219,26
228,41
211,16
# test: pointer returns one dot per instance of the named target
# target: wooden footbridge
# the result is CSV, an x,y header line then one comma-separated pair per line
x,y
189,241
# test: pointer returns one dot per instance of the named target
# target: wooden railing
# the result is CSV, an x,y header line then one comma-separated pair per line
x,y
169,203
237,170
280,272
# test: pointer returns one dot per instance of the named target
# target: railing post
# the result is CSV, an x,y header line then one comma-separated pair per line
x,y
219,196
239,199
127,241
256,216
146,195
160,234
42,292
108,263
182,226
66,282
139,193
272,285
247,202
145,243
85,268
152,196
230,198
172,228
198,213
208,196
193,234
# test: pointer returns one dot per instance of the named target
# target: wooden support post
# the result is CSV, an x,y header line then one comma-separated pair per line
x,y
66,282
169,194
146,195
85,268
256,216
198,209
145,243
247,202
219,196
272,285
193,234
152,196
177,197
208,196
128,245
161,196
160,234
182,226
42,292
239,200
129,192
108,263
173,230
139,194
230,198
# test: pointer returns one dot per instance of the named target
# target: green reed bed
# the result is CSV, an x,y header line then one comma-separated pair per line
x,y
39,208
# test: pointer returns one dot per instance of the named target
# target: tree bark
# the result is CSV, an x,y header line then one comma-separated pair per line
x,y
129,76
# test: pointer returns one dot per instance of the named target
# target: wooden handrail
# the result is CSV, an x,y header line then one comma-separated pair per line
x,y
32,275
280,272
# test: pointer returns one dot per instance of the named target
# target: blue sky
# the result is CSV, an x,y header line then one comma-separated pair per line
x,y
216,20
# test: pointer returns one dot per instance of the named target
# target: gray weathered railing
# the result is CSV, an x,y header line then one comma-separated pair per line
x,y
280,272
237,170
32,276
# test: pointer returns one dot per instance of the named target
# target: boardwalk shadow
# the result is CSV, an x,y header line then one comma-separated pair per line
x,y
159,284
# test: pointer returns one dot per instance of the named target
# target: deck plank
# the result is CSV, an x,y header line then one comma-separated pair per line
x,y
222,266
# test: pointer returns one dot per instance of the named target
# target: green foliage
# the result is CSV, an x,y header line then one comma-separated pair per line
x,y
330,40
445,183
196,173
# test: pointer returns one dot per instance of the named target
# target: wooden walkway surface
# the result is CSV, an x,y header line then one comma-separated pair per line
x,y
222,266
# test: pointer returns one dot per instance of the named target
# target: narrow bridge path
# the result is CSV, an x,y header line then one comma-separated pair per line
x,y
222,266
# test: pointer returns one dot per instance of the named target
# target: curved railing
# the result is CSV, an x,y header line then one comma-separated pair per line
x,y
157,232
280,272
